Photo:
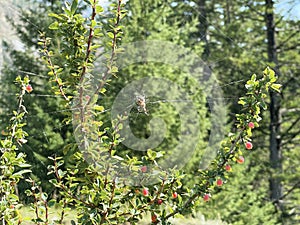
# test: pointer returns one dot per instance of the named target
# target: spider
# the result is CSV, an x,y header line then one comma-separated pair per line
x,y
140,100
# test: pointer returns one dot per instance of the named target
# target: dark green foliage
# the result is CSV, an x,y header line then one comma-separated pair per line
x,y
228,35
47,133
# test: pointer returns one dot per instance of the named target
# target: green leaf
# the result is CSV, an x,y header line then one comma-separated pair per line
x,y
93,23
59,81
110,34
23,165
21,172
54,26
241,102
118,158
276,87
61,173
55,16
249,132
99,9
266,71
253,77
74,6
263,105
99,108
68,12
247,86
52,202
95,47
44,196
151,154
271,74
114,69
13,197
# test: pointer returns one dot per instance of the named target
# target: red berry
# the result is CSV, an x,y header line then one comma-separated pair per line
x,y
153,218
159,201
251,125
144,169
249,145
228,167
206,197
240,160
219,182
175,195
145,191
12,206
29,88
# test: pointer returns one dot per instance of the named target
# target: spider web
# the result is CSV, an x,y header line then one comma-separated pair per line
x,y
150,102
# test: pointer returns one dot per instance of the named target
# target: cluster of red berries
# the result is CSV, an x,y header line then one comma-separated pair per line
x,y
145,192
28,88
248,144
144,169
159,202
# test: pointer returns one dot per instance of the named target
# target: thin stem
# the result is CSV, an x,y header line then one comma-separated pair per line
x,y
21,108
63,212
84,69
113,53
66,190
47,212
51,66
105,214
36,211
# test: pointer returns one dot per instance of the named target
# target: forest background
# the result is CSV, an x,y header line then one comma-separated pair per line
x,y
235,39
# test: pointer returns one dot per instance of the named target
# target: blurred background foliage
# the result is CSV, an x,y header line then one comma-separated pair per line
x,y
233,39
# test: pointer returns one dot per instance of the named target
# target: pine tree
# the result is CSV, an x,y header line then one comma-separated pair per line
x,y
152,20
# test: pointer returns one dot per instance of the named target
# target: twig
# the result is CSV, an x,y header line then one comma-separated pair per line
x,y
113,53
63,212
297,185
51,66
84,69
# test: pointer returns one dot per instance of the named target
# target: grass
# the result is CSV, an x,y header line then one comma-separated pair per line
x,y
54,214
27,214
198,219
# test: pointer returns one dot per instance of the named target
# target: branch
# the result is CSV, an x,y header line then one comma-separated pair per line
x,y
297,185
254,10
291,137
286,40
286,132
293,47
105,214
61,219
84,69
197,194
277,22
89,43
113,53
284,111
285,84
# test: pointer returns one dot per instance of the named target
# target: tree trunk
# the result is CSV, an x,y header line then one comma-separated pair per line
x,y
275,138
227,14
